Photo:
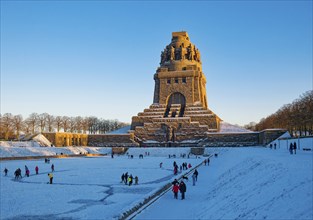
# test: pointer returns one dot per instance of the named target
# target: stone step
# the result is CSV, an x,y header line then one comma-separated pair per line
x,y
155,106
197,112
155,110
151,114
193,108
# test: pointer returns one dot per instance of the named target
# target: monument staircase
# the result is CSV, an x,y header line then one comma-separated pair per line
x,y
187,124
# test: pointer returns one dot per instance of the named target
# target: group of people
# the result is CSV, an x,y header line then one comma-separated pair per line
x,y
128,179
271,146
206,161
184,166
179,186
18,172
293,148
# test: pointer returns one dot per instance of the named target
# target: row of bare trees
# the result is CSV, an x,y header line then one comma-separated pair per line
x,y
11,126
296,117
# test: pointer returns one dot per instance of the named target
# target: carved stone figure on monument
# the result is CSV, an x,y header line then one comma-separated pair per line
x,y
195,53
199,57
173,135
168,53
172,57
177,54
163,56
182,53
170,133
190,53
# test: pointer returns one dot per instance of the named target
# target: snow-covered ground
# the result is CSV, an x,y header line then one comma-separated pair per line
x,y
241,183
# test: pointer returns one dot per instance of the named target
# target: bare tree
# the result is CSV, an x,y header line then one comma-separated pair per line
x,y
33,121
58,122
50,119
85,125
42,119
71,124
296,117
18,124
6,123
78,124
66,123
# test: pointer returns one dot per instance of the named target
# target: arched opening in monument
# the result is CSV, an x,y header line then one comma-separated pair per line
x,y
175,98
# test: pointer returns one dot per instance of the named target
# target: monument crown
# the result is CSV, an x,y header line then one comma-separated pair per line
x,y
180,53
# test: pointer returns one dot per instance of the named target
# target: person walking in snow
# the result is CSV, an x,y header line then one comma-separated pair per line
x,y
5,171
122,178
52,168
50,177
295,147
175,190
196,174
136,180
182,189
36,169
208,161
193,179
161,165
16,174
27,173
291,148
126,178
204,162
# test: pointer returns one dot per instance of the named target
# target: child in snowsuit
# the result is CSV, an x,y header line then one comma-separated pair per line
x,y
36,169
50,177
27,173
5,171
130,180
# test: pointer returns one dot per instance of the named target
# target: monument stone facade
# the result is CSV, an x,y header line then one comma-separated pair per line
x,y
179,112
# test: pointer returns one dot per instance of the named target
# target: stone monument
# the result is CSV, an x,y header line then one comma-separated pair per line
x,y
179,113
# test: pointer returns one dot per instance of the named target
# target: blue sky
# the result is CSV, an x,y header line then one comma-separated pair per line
x,y
97,58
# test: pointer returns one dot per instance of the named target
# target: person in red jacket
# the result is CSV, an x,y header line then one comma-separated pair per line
x,y
36,169
175,189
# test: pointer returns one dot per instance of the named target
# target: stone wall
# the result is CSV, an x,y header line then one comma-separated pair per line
x,y
268,135
231,139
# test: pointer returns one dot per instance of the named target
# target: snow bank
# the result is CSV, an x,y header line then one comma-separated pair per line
x,y
32,148
123,130
229,128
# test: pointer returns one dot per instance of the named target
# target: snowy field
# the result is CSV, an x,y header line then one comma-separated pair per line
x,y
241,183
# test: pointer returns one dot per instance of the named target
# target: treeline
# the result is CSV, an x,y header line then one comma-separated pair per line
x,y
11,126
296,117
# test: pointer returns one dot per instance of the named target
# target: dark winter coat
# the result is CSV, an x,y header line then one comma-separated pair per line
x,y
182,187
